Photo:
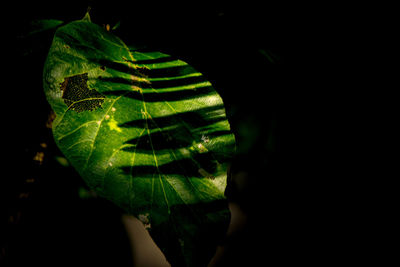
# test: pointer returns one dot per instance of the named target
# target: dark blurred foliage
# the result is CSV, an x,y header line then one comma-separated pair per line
x,y
242,48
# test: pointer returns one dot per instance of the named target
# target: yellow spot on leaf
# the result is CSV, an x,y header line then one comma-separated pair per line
x,y
198,147
136,89
114,125
141,67
201,148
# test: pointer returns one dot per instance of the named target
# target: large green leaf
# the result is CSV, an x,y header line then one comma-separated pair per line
x,y
143,129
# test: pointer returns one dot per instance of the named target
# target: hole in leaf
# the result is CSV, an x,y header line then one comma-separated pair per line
x,y
77,95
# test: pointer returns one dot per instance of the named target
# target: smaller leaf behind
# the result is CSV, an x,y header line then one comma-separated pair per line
x,y
38,26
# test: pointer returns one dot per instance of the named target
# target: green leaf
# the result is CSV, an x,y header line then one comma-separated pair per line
x,y
38,26
33,37
144,130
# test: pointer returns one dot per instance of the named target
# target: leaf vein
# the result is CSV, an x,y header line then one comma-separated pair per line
x,y
98,129
76,129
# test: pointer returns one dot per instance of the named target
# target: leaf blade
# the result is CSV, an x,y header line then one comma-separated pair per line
x,y
159,142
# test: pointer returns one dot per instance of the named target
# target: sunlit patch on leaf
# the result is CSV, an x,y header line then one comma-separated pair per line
x,y
77,96
113,125
159,145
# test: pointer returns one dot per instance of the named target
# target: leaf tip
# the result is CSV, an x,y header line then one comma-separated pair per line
x,y
87,15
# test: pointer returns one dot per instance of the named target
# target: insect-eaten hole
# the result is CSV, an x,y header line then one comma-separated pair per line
x,y
78,96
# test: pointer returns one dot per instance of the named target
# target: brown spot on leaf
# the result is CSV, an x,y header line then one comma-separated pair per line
x,y
50,119
78,96
142,68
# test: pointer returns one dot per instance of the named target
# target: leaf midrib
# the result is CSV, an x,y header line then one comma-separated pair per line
x,y
146,126
148,131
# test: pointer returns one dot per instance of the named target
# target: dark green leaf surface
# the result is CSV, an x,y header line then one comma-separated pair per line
x,y
42,25
143,129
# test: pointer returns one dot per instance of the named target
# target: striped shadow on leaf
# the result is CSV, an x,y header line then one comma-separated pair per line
x,y
157,142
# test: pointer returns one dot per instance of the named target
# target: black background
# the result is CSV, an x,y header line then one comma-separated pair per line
x,y
228,43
